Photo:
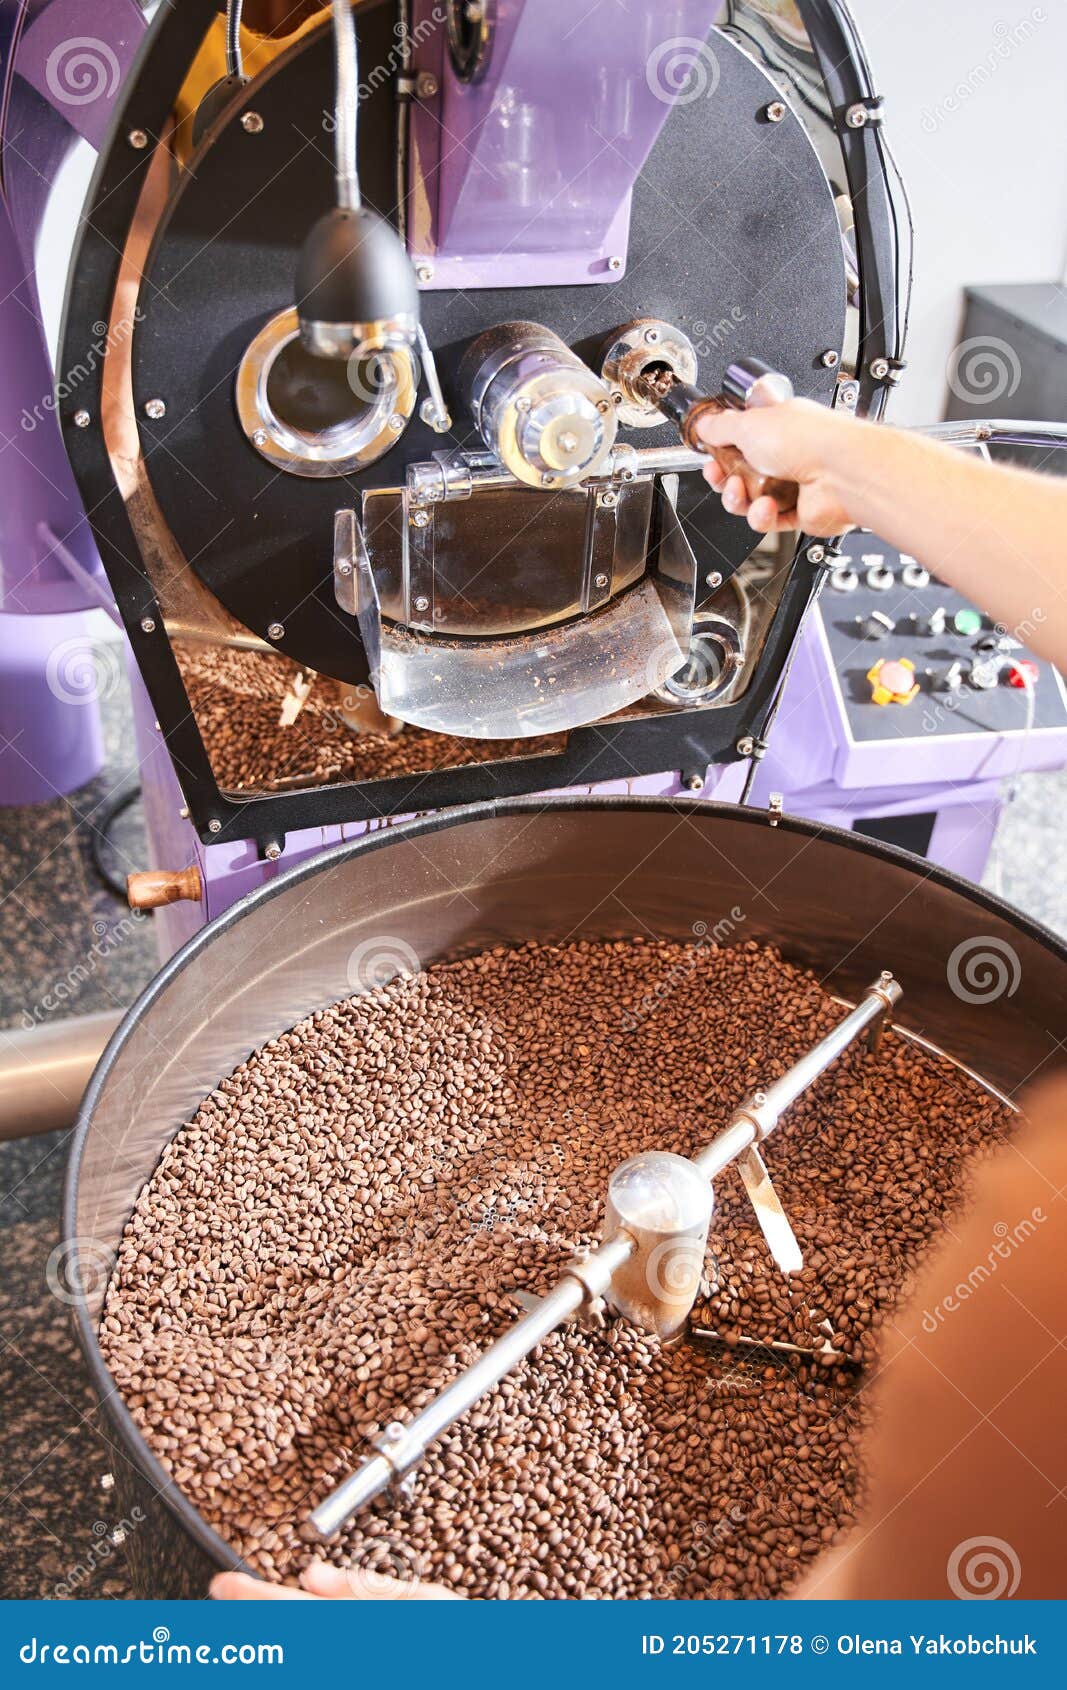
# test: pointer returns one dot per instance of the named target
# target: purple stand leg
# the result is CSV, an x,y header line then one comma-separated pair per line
x,y
963,837
51,683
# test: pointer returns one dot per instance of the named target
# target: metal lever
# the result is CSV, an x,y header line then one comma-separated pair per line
x,y
648,1266
748,382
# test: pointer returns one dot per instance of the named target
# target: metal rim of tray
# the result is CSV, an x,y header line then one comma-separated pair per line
x,y
135,1447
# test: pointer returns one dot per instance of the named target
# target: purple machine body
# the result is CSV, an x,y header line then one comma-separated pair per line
x,y
522,181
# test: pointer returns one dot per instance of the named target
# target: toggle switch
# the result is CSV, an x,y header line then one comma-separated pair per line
x,y
874,626
913,574
985,673
949,679
879,578
893,681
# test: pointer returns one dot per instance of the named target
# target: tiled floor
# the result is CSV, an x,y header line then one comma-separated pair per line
x,y
58,925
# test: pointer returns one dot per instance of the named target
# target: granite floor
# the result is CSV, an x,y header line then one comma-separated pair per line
x,y
58,923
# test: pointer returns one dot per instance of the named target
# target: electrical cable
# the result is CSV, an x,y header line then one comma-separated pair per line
x,y
100,829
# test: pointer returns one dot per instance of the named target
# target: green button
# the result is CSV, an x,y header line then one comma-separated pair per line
x,y
967,622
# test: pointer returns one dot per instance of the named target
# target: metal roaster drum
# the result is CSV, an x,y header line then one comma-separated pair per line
x,y
843,906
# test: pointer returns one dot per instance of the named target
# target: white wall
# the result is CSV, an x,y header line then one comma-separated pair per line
x,y
977,116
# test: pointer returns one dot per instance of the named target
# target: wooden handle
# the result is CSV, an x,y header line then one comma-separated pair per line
x,y
154,888
757,486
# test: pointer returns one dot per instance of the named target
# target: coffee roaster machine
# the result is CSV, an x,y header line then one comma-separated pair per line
x,y
433,473
457,484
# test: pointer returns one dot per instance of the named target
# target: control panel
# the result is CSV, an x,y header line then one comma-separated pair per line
x,y
914,659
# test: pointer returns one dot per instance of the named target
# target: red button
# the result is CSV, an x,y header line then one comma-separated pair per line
x,y
1023,671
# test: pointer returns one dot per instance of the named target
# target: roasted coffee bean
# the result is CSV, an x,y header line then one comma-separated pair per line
x,y
237,699
336,1232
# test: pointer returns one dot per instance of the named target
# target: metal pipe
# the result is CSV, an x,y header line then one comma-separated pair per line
x,y
400,1447
760,1113
465,473
45,1069
346,106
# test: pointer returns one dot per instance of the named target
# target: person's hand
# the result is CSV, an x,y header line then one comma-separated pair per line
x,y
799,441
320,1580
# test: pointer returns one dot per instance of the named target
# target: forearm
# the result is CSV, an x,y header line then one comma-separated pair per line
x,y
997,534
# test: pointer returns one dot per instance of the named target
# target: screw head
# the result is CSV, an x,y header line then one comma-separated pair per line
x,y
422,604
614,262
830,358
420,518
714,579
816,554
879,368
344,567
214,825
425,85
651,337
396,422
694,783
138,140
856,116
605,405
548,479
273,851
608,499
775,112
260,437
252,123
81,419
600,582
155,408
424,272
849,392
746,746
276,631
148,625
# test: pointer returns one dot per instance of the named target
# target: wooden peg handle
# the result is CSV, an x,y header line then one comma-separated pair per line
x,y
153,888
